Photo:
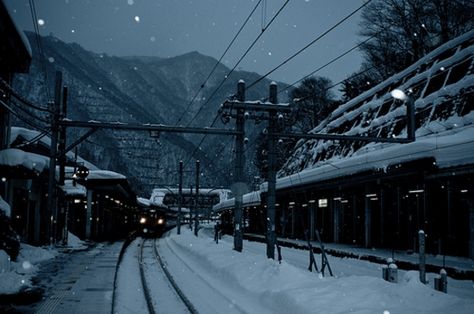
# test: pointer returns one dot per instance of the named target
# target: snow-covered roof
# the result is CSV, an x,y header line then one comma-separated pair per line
x,y
73,190
249,199
143,201
5,207
442,84
447,150
15,157
104,175
31,135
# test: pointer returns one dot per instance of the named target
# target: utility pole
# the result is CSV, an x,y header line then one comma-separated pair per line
x,y
52,206
62,138
180,196
63,208
274,112
196,200
271,197
239,169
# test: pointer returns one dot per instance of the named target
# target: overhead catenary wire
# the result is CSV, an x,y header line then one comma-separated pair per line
x,y
8,90
39,44
32,124
239,61
309,44
326,64
218,62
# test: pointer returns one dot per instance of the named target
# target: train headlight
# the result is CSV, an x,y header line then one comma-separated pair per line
x,y
161,221
143,220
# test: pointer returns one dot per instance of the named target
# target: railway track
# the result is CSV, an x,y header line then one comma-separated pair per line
x,y
160,292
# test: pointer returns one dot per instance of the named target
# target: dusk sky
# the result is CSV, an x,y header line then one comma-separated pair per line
x,y
167,28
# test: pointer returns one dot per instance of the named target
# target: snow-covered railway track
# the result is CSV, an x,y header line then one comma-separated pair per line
x,y
161,292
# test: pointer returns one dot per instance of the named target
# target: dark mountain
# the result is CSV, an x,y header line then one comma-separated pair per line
x,y
142,90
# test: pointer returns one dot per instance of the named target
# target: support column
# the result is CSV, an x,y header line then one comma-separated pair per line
x,y
311,221
471,228
293,222
367,222
336,210
89,214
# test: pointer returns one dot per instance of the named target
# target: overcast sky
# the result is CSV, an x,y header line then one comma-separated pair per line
x,y
167,28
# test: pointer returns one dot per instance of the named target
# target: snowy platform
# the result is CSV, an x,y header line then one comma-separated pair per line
x,y
85,285
457,267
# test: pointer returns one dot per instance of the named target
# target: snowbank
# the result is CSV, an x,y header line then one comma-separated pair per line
x,y
5,207
26,266
283,288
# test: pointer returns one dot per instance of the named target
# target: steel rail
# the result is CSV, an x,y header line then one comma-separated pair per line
x,y
146,290
173,283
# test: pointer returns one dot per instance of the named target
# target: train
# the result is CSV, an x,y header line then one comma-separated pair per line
x,y
152,221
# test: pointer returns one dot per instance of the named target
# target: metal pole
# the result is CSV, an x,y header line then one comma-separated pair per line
x,y
411,127
196,201
239,169
180,195
52,208
62,139
271,197
421,239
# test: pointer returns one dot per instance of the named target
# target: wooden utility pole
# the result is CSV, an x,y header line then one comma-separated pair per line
x,y
271,197
239,169
52,199
273,112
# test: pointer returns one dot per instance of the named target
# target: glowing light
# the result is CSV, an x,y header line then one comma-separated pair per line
x,y
137,19
142,220
398,94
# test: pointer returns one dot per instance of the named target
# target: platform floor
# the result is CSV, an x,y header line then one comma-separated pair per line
x,y
84,284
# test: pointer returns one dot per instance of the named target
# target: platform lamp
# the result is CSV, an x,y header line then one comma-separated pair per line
x,y
410,103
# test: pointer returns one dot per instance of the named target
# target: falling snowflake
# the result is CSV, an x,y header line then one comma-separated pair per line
x,y
73,30
137,19
152,38
51,59
269,53
26,265
130,2
40,22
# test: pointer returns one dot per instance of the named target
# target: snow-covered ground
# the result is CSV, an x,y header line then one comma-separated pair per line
x,y
251,283
16,276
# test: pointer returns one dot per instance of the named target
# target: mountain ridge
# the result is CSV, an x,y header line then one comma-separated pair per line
x,y
141,89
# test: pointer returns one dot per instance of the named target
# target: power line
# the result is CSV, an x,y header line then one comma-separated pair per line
x,y
29,113
38,43
240,60
326,64
219,61
11,91
310,44
32,124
